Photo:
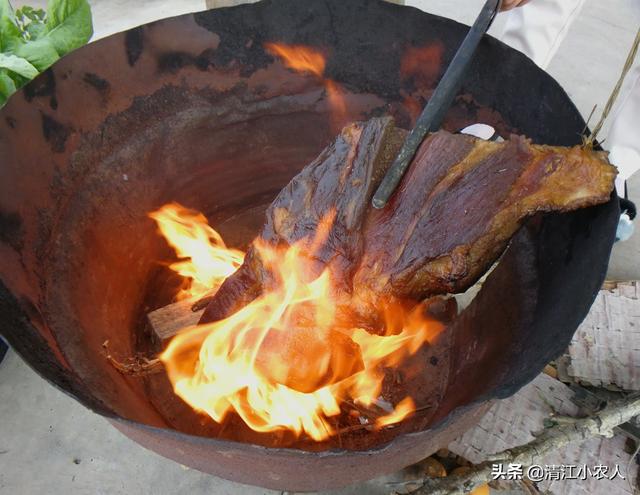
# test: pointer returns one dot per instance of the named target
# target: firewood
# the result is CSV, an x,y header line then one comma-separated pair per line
x,y
602,423
168,321
133,366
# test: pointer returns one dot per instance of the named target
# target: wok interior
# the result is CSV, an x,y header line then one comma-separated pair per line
x,y
107,268
112,270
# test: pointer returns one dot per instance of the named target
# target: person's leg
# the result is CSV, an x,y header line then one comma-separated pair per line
x,y
538,28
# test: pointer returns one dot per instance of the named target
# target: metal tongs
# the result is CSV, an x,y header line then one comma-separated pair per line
x,y
435,111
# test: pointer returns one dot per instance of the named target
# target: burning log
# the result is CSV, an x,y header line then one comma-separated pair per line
x,y
168,321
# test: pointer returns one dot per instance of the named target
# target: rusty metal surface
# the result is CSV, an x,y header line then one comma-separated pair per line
x,y
301,471
192,109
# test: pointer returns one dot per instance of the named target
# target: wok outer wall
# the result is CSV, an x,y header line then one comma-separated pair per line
x,y
296,470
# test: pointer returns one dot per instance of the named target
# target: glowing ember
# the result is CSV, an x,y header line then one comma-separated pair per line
x,y
279,362
309,60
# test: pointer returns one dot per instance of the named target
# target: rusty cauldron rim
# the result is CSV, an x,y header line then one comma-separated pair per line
x,y
555,258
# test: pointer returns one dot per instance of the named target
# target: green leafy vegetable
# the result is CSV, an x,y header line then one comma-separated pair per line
x,y
40,53
18,65
32,22
9,31
31,40
7,86
68,24
34,29
27,12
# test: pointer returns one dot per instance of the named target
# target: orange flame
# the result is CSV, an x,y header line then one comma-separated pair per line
x,y
299,58
308,60
205,260
402,410
280,363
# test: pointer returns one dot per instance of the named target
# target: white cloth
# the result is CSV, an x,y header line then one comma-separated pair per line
x,y
623,140
537,30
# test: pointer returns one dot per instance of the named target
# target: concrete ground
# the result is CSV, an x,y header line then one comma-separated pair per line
x,y
49,444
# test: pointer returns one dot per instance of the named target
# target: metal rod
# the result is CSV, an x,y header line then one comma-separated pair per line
x,y
435,111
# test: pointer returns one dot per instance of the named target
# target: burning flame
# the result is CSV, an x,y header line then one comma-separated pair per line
x,y
308,60
205,260
402,410
299,58
280,362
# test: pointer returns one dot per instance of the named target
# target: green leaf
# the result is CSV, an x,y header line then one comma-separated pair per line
x,y
9,30
35,29
18,65
18,80
41,53
32,40
7,86
6,10
34,15
31,22
69,24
